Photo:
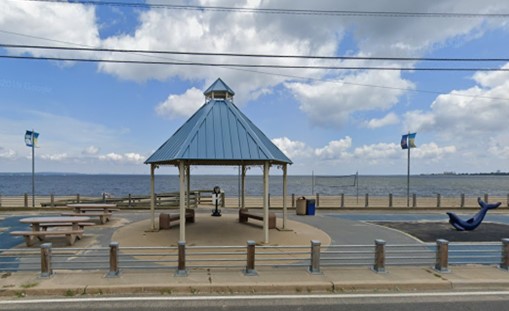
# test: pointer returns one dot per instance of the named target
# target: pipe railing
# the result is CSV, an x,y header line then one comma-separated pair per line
x,y
182,258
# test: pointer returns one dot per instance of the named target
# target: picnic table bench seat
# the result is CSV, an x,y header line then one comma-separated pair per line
x,y
245,214
165,219
70,235
103,216
45,226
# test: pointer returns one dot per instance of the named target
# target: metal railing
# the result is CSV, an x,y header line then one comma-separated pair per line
x,y
182,258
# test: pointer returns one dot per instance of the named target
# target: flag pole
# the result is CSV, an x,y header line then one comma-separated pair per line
x,y
33,169
408,173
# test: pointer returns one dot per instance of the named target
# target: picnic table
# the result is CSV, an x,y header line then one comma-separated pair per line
x,y
40,226
102,210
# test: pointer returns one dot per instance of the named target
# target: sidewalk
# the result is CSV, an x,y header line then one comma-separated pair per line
x,y
268,281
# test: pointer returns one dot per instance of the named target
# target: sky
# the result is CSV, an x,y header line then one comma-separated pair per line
x,y
98,117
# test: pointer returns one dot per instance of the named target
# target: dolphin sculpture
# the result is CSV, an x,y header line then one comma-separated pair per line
x,y
474,222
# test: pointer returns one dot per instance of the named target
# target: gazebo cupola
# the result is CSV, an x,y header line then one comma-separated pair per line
x,y
219,91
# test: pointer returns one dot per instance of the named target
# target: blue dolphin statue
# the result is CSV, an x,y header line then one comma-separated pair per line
x,y
474,222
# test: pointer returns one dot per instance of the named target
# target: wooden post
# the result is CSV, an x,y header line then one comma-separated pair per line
x,y
390,199
366,200
462,200
78,197
317,200
26,200
46,270
486,197
129,204
182,205
104,197
285,194
342,203
314,268
504,262
250,264
0,200
414,200
181,268
442,256
266,167
379,265
52,200
293,199
269,199
438,200
114,270
152,197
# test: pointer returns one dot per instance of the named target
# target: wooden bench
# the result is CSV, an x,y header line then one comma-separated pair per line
x,y
166,219
244,214
103,216
70,235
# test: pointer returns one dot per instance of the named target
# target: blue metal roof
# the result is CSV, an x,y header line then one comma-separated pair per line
x,y
219,86
218,133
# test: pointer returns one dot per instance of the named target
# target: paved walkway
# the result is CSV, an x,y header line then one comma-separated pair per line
x,y
340,228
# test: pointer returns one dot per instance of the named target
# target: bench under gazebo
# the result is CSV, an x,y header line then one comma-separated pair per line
x,y
219,134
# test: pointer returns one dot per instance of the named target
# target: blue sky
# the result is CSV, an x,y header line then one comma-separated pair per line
x,y
108,118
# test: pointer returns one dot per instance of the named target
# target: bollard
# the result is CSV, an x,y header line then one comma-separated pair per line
x,y
26,200
293,199
462,200
366,200
181,269
52,200
130,201
442,256
0,200
379,265
414,200
508,200
438,200
486,197
504,262
342,203
390,199
46,270
269,199
314,268
104,197
317,200
78,198
250,263
222,200
114,270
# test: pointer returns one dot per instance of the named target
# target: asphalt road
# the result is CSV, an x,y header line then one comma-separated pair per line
x,y
463,301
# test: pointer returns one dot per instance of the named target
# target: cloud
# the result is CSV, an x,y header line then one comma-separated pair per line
x,y
91,150
292,148
389,119
7,154
432,151
129,157
335,149
55,157
330,104
181,106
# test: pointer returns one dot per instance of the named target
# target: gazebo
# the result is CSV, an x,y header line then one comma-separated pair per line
x,y
219,134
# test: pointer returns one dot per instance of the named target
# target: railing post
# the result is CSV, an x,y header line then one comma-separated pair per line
x,y
293,199
181,269
314,268
442,256
250,263
130,201
46,270
0,200
317,200
104,197
379,265
342,203
438,200
114,270
462,200
366,200
486,197
414,200
52,200
504,262
26,200
390,199
222,200
78,198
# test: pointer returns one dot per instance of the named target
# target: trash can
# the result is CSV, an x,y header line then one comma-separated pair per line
x,y
310,207
301,206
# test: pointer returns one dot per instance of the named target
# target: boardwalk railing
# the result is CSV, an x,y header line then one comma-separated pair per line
x,y
182,258
204,198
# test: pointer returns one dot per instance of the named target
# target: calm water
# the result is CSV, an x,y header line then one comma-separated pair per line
x,y
119,185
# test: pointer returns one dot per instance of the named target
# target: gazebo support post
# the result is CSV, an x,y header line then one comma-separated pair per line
x,y
152,195
188,181
182,177
285,212
266,166
243,186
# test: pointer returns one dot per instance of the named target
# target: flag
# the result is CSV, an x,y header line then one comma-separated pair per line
x,y
31,138
408,141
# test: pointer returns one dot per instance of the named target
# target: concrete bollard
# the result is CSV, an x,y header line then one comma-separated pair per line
x,y
250,262
442,256
438,200
78,198
52,200
414,200
46,269
504,262
314,267
379,265
181,268
114,270
26,200
462,200
390,199
366,200
342,203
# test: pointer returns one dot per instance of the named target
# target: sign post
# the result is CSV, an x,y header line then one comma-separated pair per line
x,y
31,140
408,142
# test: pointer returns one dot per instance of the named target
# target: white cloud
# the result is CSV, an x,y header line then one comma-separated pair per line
x,y
335,149
389,119
91,150
8,154
183,106
330,104
292,148
432,151
55,157
129,157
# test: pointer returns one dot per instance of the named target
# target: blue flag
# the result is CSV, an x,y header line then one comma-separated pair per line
x,y
408,141
31,138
